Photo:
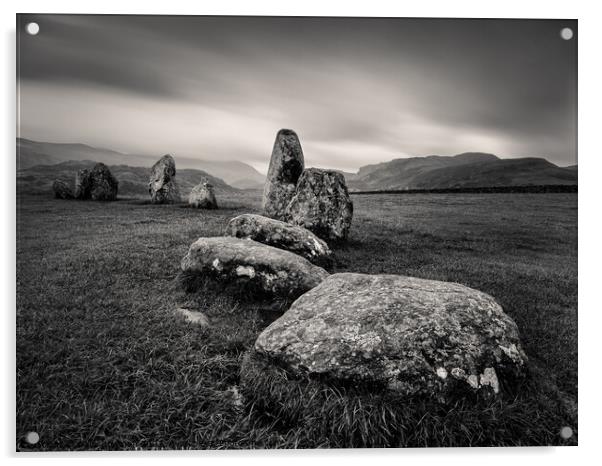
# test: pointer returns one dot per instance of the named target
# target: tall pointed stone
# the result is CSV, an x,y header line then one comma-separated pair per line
x,y
162,185
286,166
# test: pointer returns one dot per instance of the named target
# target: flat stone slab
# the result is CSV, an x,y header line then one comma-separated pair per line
x,y
281,235
413,336
246,262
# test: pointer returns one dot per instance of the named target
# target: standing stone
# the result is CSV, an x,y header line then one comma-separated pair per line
x,y
286,165
62,190
322,204
97,184
162,186
202,196
104,185
83,184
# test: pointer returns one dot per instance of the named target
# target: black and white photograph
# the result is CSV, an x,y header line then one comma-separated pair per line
x,y
295,232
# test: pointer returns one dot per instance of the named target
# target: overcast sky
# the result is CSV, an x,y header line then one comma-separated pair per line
x,y
356,91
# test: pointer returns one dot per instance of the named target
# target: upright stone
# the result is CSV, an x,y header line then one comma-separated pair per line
x,y
62,190
162,186
104,185
202,196
97,184
322,204
83,184
286,165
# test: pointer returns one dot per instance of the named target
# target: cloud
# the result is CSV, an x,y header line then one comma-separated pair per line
x,y
357,91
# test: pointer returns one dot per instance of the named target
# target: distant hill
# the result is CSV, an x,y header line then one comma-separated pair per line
x,y
471,169
31,153
133,181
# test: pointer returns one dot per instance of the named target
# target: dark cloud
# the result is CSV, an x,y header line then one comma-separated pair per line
x,y
357,90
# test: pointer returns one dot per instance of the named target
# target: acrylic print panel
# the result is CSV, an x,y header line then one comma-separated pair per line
x,y
272,232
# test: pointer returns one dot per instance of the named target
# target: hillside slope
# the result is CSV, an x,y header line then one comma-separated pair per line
x,y
133,181
31,153
464,170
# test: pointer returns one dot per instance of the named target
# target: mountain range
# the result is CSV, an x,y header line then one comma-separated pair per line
x,y
467,170
31,153
39,163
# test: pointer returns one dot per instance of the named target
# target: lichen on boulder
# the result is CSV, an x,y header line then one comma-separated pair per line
x,y
404,334
250,265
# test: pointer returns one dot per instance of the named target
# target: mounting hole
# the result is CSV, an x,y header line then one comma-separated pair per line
x,y
32,28
566,432
566,33
32,438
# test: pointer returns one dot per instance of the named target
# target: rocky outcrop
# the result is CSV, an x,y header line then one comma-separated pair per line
x,y
406,335
202,196
251,265
162,186
281,235
322,204
286,165
97,184
62,190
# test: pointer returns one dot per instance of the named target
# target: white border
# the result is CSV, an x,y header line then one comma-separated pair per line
x,y
590,169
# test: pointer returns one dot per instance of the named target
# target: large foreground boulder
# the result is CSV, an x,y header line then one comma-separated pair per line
x,y
322,204
286,165
202,196
97,184
407,335
162,185
251,265
62,190
280,235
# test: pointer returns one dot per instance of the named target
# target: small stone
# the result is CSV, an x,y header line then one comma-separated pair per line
x,y
194,317
202,196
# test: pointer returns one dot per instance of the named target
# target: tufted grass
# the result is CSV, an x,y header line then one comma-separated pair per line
x,y
104,362
368,417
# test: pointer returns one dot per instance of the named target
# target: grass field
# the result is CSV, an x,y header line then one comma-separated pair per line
x,y
103,361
